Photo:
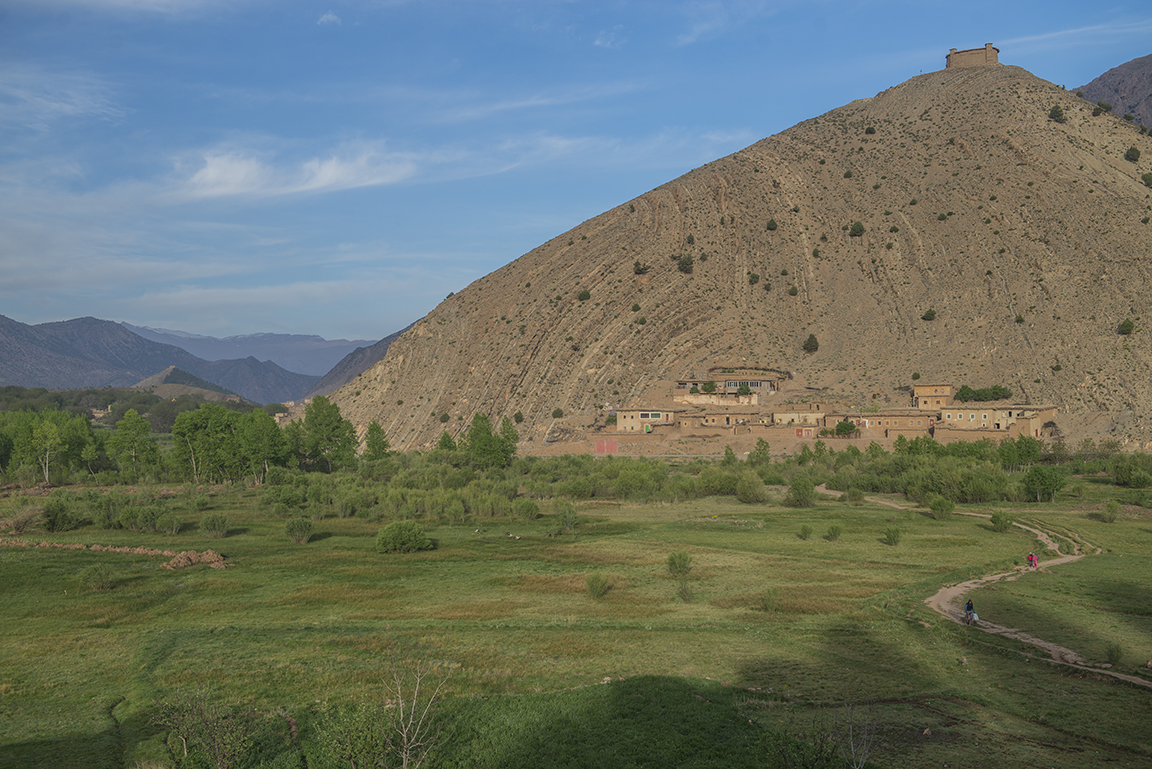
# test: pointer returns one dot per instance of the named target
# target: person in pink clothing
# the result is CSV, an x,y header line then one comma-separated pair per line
x,y
1033,561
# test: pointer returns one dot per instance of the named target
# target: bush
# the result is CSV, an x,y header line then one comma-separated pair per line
x,y
684,591
793,291
805,532
1115,654
167,523
1147,179
299,530
598,585
834,532
856,230
584,295
215,525
98,577
771,226
1127,327
402,537
1110,512
1132,155
557,413
26,518
684,264
59,511
1002,521
750,489
679,563
929,315
811,344
941,508
1056,114
527,509
892,535
802,492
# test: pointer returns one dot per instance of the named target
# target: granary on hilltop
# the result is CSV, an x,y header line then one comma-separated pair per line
x,y
973,57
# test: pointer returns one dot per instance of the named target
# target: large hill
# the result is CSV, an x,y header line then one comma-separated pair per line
x,y
1128,88
1028,237
89,352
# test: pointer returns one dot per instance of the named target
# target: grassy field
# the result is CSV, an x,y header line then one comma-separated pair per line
x,y
778,630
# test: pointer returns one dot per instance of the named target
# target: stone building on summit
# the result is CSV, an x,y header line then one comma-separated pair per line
x,y
973,57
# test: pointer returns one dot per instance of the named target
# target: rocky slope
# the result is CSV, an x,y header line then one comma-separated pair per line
x,y
1128,88
1029,239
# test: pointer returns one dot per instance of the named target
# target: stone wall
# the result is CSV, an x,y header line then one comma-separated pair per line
x,y
973,57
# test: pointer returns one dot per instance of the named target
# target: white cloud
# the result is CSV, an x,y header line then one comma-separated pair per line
x,y
223,173
328,18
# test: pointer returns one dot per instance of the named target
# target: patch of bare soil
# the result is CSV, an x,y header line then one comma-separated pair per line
x,y
178,560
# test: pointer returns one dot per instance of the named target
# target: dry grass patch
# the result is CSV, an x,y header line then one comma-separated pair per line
x,y
476,610
566,584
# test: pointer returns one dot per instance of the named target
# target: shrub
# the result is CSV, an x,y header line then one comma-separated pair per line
x,y
750,489
584,295
941,217
1127,327
679,563
1111,511
753,278
854,496
771,226
941,507
97,577
869,130
566,511
811,344
793,291
1115,653
684,264
598,585
834,532
635,308
1056,114
640,269
527,509
299,530
1132,155
1104,105
59,511
1002,521
684,591
805,532
856,230
215,525
518,417
402,537
801,493
929,315
1147,179
892,535
847,174
167,523
557,413
26,518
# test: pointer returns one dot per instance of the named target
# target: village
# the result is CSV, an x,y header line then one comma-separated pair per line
x,y
741,407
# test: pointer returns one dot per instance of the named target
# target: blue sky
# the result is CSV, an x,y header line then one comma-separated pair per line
x,y
338,167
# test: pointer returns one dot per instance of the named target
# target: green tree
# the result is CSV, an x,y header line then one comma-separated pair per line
x,y
47,444
329,438
1056,114
1042,483
262,443
856,230
205,444
132,446
446,443
801,492
743,389
811,344
487,449
1127,327
760,455
1132,155
375,442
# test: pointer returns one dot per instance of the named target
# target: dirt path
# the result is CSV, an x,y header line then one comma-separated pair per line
x,y
948,600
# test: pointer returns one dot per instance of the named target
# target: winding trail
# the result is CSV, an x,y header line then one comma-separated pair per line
x,y
947,601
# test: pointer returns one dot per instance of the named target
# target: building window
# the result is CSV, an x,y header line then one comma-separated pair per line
x,y
643,415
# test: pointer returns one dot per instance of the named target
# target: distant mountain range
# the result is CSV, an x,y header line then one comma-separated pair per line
x,y
304,354
354,363
1128,88
88,352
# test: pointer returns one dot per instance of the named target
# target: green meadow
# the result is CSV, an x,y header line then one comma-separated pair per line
x,y
777,627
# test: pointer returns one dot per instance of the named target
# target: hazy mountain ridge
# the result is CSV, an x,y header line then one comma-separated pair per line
x,y
1128,88
88,352
1027,237
302,353
353,364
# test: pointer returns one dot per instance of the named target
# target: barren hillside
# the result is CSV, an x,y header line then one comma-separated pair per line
x,y
1028,237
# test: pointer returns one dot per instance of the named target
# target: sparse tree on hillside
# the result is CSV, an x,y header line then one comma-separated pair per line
x,y
811,344
1056,114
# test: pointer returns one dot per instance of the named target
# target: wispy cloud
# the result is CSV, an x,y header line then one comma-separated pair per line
x,y
222,173
1091,33
328,18
611,38
709,19
37,99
